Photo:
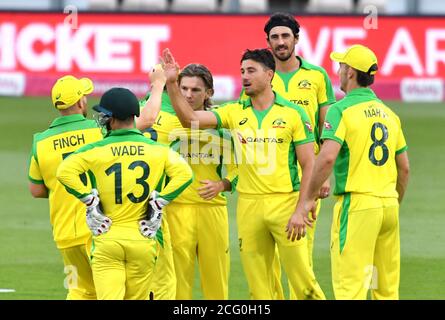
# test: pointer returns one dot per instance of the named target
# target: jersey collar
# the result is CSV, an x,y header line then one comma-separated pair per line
x,y
279,100
303,63
361,92
67,119
123,132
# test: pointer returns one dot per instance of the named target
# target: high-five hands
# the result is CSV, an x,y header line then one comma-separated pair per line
x,y
157,75
171,67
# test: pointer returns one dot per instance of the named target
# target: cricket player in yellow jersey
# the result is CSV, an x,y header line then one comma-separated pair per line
x,y
163,284
198,218
364,143
301,83
126,168
67,215
271,133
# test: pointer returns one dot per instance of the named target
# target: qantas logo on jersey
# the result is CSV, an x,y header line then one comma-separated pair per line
x,y
197,155
258,140
241,139
300,102
304,84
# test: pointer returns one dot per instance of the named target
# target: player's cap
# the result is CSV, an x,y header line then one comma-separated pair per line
x,y
119,103
68,90
358,57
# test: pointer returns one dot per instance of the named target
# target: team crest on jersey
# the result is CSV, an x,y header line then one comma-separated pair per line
x,y
304,84
327,125
308,126
278,123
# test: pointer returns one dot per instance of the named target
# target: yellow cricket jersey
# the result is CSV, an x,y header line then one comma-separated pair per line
x,y
371,136
166,124
265,143
65,135
125,167
309,87
206,151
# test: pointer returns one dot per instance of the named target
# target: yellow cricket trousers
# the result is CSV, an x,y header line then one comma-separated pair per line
x,y
262,221
79,279
122,261
163,283
310,235
200,231
365,247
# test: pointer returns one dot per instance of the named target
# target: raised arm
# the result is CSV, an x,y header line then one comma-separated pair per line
x,y
185,113
150,111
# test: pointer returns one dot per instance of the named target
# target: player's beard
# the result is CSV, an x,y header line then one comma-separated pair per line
x,y
283,58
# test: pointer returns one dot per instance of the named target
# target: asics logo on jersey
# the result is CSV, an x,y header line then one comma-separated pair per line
x,y
243,121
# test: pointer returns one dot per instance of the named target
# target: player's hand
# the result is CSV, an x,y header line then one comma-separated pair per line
x,y
171,68
97,222
311,207
149,226
325,189
296,226
210,189
157,76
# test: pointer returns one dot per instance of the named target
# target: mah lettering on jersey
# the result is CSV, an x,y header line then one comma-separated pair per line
x,y
71,141
373,112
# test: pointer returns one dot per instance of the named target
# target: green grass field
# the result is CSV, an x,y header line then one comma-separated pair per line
x,y
31,264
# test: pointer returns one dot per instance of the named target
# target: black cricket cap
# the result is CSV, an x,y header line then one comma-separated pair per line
x,y
119,103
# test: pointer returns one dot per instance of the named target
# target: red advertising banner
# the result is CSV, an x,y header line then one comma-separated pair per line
x,y
119,49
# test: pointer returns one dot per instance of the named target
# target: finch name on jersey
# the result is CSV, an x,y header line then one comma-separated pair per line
x,y
70,141
128,150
